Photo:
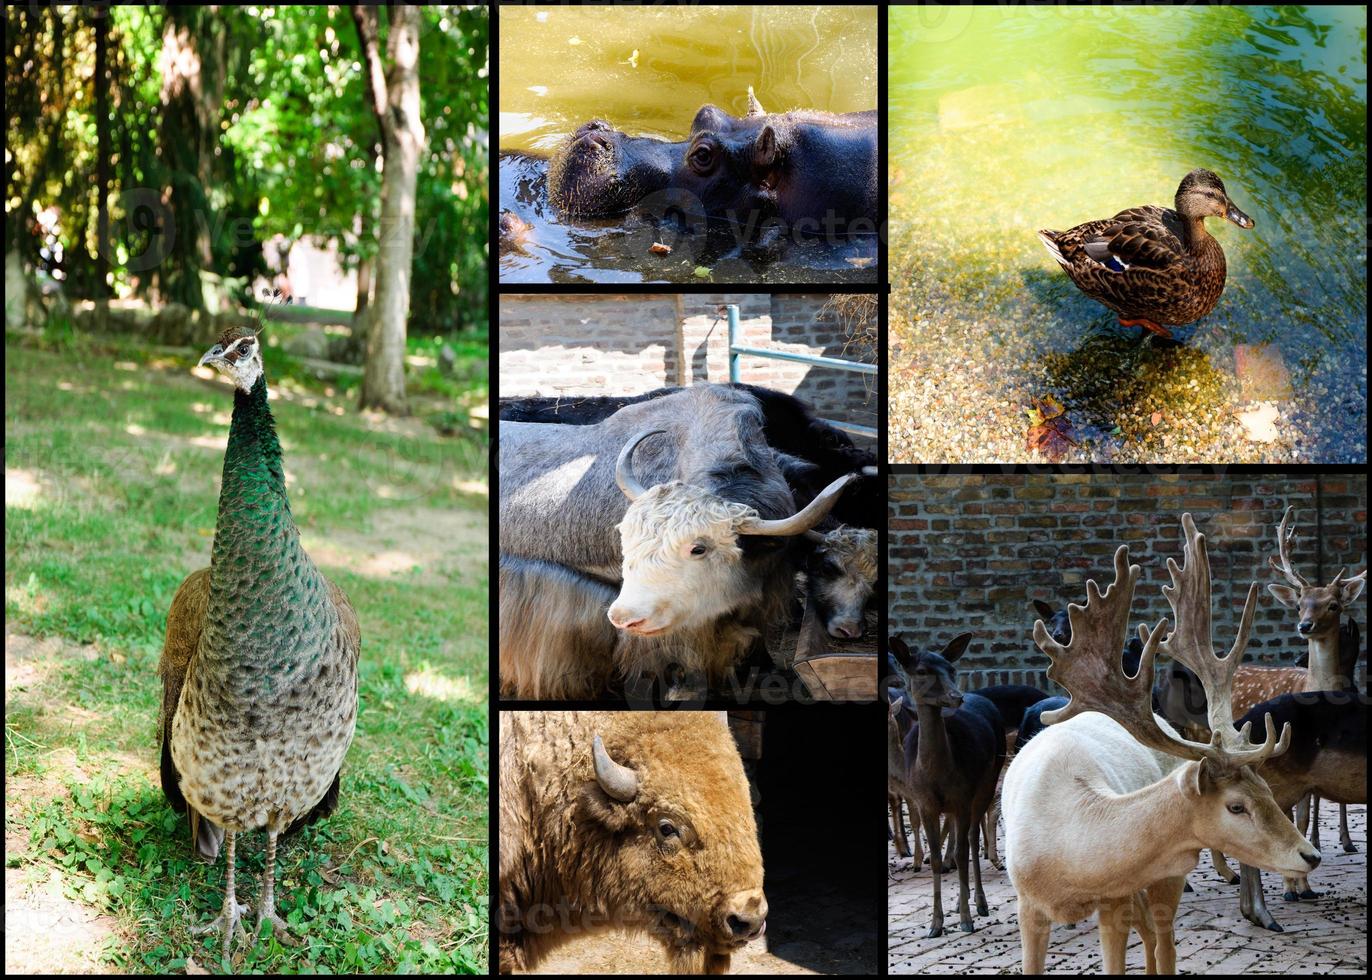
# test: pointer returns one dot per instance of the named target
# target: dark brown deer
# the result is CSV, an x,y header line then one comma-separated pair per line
x,y
1328,756
952,761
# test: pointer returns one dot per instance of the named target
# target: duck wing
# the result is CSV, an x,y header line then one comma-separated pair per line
x,y
1145,238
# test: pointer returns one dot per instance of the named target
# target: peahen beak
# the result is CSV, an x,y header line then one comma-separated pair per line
x,y
215,355
1238,217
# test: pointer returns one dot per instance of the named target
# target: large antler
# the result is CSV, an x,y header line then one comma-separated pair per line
x,y
1191,644
1284,538
1089,666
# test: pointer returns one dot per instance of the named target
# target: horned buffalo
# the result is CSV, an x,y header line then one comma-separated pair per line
x,y
678,506
626,820
815,452
841,575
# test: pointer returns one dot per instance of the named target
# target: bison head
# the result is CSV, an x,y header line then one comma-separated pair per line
x,y
683,560
685,862
842,572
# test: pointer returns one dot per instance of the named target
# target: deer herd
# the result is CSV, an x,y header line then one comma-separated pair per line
x,y
1111,793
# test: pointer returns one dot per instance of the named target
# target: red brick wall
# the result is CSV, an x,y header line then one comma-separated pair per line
x,y
969,552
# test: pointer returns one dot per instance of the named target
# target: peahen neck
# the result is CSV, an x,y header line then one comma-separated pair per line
x,y
260,577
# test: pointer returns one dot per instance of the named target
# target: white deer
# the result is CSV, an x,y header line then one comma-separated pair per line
x,y
1108,809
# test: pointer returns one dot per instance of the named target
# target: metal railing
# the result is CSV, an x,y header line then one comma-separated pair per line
x,y
738,351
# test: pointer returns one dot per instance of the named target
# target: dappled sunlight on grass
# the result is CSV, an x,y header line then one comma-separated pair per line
x,y
431,684
22,488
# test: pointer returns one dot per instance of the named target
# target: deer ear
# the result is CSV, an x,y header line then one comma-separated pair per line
x,y
900,650
1350,590
956,646
1204,780
1044,610
1284,594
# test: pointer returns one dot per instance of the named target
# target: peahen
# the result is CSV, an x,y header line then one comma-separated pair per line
x,y
259,667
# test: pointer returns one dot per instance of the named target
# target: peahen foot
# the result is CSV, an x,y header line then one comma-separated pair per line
x,y
279,928
1148,325
229,921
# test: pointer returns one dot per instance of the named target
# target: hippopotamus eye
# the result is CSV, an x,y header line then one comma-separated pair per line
x,y
702,156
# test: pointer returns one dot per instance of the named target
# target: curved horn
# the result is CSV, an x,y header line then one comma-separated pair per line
x,y
618,781
754,106
624,467
817,510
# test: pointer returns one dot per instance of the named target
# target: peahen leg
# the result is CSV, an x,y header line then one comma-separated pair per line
x,y
230,919
267,911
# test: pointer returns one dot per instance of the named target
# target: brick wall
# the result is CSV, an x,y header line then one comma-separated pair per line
x,y
620,345
969,552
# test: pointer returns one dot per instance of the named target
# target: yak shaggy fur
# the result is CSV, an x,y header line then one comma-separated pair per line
x,y
574,860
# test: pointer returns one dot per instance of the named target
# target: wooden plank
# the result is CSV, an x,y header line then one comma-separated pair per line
x,y
833,671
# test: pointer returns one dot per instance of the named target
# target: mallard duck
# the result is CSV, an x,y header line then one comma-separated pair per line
x,y
1153,265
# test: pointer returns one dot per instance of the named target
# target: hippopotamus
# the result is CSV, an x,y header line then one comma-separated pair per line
x,y
601,172
815,172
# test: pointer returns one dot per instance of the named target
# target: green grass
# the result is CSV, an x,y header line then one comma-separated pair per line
x,y
112,469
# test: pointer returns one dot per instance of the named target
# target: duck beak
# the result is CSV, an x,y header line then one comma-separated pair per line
x,y
1238,217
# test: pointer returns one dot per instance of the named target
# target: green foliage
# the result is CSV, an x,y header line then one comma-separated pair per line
x,y
125,461
295,156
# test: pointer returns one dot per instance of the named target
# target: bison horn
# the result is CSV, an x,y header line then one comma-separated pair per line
x,y
754,106
618,781
624,467
817,510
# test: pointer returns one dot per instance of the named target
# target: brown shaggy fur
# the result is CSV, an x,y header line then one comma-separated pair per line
x,y
573,860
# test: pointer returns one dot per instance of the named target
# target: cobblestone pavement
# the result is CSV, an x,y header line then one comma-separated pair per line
x,y
1324,935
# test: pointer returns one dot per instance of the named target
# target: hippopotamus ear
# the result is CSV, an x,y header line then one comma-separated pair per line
x,y
765,150
754,106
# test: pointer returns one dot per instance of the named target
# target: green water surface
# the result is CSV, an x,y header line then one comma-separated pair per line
x,y
647,71
1007,120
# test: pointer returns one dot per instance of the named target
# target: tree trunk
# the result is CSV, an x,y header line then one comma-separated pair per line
x,y
395,100
192,65
366,269
18,233
101,22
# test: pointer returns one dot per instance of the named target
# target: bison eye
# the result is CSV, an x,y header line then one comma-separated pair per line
x,y
665,829
1235,807
698,549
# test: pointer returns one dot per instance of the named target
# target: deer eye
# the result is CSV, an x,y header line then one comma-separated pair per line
x,y
1235,807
